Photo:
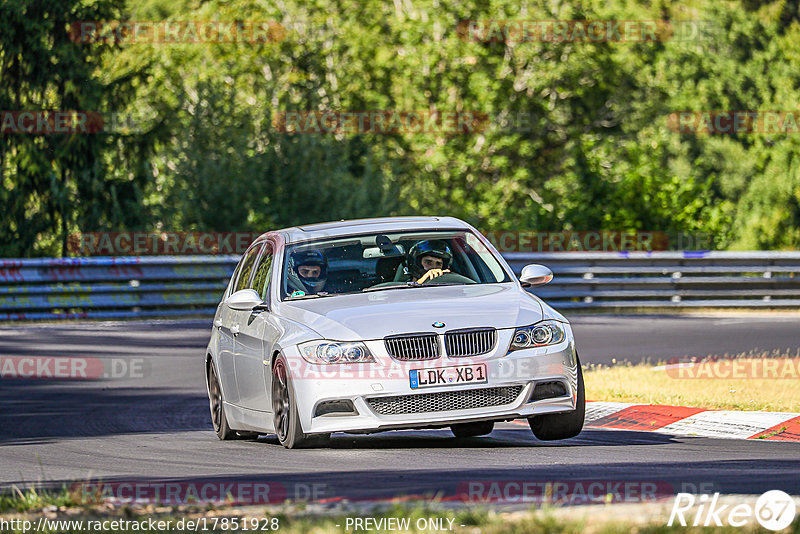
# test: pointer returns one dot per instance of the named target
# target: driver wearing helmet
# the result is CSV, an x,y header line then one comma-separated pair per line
x,y
427,260
310,268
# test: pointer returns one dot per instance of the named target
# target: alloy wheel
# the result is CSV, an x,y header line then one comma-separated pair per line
x,y
215,400
280,401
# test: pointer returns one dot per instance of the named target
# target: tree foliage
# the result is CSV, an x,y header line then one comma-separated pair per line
x,y
578,136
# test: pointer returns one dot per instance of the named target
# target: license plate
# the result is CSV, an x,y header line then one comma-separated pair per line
x,y
447,376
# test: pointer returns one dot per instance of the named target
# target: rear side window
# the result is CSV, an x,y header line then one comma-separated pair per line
x,y
261,280
235,275
247,268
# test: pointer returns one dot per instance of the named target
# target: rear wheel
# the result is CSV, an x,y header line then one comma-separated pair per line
x,y
285,414
562,425
468,430
218,419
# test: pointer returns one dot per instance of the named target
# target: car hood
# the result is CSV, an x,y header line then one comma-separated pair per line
x,y
375,315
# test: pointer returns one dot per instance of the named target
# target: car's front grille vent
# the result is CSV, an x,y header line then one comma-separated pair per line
x,y
444,402
472,342
548,390
410,347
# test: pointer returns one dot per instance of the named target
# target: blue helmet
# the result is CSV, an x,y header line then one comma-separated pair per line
x,y
311,258
435,248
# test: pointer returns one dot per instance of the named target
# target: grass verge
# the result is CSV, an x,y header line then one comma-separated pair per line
x,y
415,518
765,381
17,500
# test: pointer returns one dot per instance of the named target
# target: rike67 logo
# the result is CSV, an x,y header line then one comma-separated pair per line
x,y
774,510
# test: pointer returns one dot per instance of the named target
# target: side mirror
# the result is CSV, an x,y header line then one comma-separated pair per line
x,y
535,275
245,300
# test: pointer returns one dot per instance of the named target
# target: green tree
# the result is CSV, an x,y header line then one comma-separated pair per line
x,y
55,183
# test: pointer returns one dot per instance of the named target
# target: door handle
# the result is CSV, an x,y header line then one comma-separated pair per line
x,y
235,330
218,322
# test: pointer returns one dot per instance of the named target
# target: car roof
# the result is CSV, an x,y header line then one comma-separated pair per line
x,y
334,229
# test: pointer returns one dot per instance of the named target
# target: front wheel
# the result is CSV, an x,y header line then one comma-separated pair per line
x,y
285,414
562,425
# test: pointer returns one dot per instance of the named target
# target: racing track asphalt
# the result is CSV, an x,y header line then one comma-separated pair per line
x,y
157,427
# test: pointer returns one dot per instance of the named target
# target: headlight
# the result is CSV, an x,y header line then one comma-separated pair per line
x,y
538,335
335,352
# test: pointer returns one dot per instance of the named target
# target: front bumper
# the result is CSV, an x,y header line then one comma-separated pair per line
x,y
315,384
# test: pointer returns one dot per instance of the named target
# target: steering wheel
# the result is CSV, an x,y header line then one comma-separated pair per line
x,y
447,278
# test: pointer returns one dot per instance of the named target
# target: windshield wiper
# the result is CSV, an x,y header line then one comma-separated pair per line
x,y
318,295
411,284
404,285
306,296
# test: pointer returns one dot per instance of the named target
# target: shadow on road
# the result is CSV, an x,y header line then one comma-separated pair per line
x,y
499,438
658,480
36,412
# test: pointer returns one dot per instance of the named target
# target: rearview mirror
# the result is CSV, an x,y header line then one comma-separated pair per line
x,y
245,300
535,275
392,251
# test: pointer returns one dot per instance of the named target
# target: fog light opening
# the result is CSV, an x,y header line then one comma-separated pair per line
x,y
548,390
344,406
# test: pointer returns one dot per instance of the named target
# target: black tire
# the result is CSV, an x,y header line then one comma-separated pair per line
x,y
469,430
285,414
562,425
246,435
215,401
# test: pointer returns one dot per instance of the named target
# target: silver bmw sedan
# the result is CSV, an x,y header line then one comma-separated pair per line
x,y
381,324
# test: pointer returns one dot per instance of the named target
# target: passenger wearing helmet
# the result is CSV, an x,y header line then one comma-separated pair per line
x,y
310,268
427,260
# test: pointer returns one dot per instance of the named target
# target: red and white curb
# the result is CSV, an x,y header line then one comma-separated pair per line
x,y
679,420
683,421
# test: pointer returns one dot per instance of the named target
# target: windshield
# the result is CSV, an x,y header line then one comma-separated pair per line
x,y
384,261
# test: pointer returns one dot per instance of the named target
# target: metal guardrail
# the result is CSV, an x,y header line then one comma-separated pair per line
x,y
158,286
107,288
668,279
